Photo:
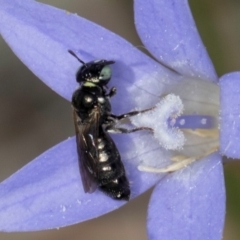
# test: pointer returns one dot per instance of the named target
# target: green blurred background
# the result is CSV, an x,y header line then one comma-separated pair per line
x,y
33,118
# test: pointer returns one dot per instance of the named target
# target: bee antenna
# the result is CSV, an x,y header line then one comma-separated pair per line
x,y
74,54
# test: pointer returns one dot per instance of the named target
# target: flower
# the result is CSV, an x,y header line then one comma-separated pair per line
x,y
190,202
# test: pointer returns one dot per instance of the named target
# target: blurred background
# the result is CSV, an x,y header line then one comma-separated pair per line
x,y
33,118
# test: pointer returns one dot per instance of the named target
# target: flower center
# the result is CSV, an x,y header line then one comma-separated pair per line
x,y
185,122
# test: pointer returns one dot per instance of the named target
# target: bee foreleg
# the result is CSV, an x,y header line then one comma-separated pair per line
x,y
112,129
112,92
130,114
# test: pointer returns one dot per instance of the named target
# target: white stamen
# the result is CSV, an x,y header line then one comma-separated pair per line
x,y
204,121
178,162
171,168
182,122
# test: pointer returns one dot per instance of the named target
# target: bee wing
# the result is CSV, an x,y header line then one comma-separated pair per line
x,y
86,137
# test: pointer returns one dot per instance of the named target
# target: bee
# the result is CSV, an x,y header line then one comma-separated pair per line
x,y
99,159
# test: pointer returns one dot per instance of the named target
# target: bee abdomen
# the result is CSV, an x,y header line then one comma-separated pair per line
x,y
117,188
111,173
110,166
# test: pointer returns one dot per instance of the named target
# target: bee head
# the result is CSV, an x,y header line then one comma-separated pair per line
x,y
94,73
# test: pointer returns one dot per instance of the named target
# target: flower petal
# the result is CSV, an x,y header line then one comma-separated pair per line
x,y
168,30
41,35
230,115
189,204
47,193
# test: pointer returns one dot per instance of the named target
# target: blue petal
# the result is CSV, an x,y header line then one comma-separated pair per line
x,y
47,193
230,115
40,35
168,30
189,204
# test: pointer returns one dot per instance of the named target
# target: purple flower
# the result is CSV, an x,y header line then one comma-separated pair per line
x,y
187,204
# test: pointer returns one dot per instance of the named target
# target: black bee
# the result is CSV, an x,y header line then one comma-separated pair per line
x,y
99,160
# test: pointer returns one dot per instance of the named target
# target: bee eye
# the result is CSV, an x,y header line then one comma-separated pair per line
x,y
106,73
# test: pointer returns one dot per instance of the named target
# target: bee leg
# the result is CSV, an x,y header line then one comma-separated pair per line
x,y
112,92
130,114
112,129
